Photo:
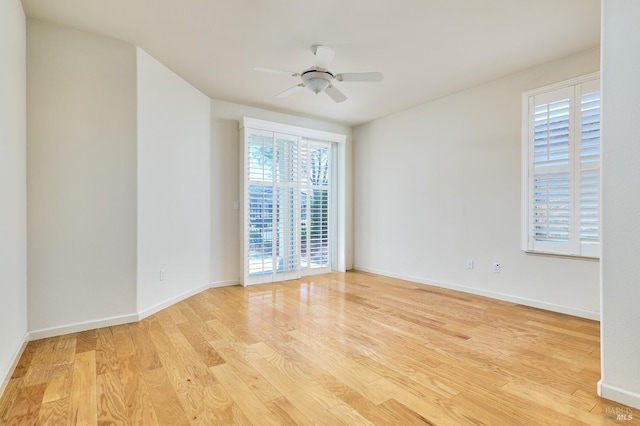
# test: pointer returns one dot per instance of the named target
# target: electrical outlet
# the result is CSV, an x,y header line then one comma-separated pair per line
x,y
163,275
496,268
469,263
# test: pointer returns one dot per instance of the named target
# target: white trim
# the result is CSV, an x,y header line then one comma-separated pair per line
x,y
179,298
14,363
524,176
82,326
243,212
338,190
614,393
568,256
254,123
562,84
308,272
226,283
582,313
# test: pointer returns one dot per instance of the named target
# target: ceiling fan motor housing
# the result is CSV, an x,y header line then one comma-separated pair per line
x,y
316,80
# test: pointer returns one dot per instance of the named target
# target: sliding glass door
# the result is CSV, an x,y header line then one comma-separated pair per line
x,y
287,206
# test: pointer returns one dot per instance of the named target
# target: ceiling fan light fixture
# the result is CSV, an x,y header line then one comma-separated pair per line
x,y
316,81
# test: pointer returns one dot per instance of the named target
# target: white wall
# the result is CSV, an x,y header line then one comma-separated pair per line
x,y
13,211
173,187
81,100
620,326
441,183
225,175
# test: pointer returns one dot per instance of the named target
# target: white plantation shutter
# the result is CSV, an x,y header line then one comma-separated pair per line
x,y
562,165
589,193
260,202
315,185
273,203
287,205
550,204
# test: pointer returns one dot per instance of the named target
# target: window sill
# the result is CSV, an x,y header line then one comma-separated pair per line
x,y
567,256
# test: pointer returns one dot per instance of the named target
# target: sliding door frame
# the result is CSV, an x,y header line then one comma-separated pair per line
x,y
337,252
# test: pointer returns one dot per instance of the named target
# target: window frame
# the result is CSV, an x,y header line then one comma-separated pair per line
x,y
574,247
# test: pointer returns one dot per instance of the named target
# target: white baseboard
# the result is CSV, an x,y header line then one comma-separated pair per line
x,y
119,320
82,326
6,376
494,295
160,306
216,284
622,396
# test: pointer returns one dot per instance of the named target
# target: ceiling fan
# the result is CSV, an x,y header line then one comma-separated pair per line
x,y
318,78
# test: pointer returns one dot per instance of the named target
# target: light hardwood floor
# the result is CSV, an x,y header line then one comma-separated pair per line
x,y
350,348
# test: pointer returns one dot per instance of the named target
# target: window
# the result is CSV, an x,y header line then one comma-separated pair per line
x,y
290,202
561,158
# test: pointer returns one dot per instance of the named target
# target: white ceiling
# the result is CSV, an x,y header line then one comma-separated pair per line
x,y
425,48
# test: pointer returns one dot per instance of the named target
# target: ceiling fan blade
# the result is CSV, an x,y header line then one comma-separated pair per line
x,y
360,76
275,71
335,94
290,90
324,56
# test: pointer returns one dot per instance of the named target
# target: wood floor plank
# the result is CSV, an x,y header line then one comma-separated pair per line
x,y
286,413
488,414
145,350
59,385
86,341
513,408
222,406
347,415
25,410
248,402
201,310
123,342
82,399
40,367
186,381
236,356
305,394
106,356
179,359
110,397
332,358
54,412
194,321
339,348
25,360
207,353
375,413
353,374
9,398
136,396
164,399
176,315
65,350
403,415
411,373
432,408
